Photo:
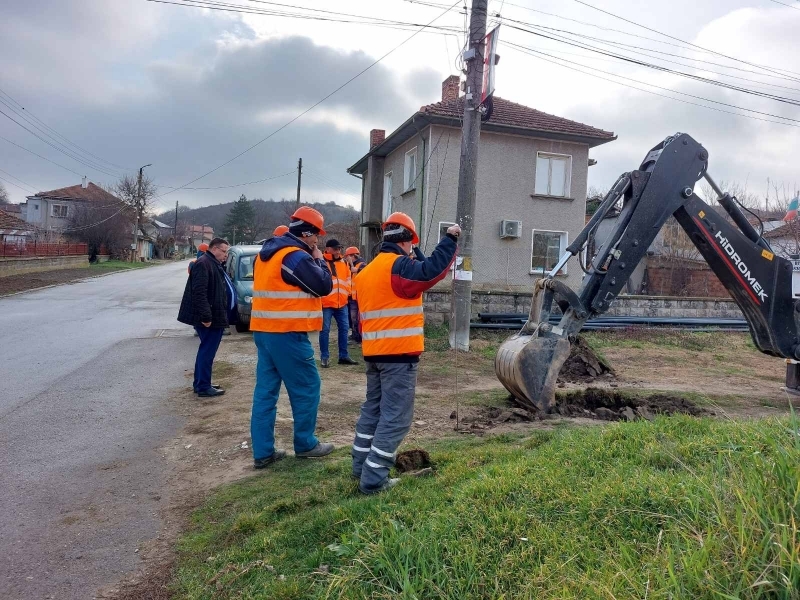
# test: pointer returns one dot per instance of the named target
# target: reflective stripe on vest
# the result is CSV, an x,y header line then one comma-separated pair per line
x,y
390,325
277,306
340,277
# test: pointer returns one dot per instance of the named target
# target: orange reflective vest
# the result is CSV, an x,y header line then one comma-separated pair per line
x,y
389,324
279,307
340,276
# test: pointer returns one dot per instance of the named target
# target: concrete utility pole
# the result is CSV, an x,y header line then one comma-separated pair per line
x,y
138,203
461,302
299,175
175,229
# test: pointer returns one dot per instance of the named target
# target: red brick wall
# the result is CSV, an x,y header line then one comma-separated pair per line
x,y
682,279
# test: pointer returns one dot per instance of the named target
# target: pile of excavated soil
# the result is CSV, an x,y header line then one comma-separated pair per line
x,y
413,460
612,405
583,365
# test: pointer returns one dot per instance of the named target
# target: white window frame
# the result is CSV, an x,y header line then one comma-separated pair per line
x,y
561,250
53,211
447,224
567,174
387,194
409,173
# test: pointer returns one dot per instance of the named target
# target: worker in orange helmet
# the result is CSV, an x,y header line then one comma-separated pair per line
x,y
280,230
389,291
290,279
201,249
353,258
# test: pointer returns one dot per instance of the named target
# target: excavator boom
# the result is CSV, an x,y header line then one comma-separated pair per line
x,y
760,282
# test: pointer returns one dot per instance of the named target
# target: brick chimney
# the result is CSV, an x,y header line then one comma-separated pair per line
x,y
451,87
376,137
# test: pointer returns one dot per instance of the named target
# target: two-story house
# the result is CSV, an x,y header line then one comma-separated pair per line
x,y
531,187
52,211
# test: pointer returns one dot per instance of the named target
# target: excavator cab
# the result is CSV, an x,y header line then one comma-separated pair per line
x,y
528,363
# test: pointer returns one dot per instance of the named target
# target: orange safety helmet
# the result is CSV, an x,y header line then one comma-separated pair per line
x,y
203,247
351,251
310,216
399,218
280,230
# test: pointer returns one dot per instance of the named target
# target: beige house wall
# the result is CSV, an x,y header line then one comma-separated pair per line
x,y
506,177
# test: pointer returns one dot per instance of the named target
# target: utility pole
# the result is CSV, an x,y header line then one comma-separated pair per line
x,y
138,205
299,175
467,178
175,229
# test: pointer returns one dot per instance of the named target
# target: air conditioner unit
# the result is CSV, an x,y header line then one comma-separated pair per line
x,y
510,229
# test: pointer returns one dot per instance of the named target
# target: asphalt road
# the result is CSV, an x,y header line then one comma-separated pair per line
x,y
85,373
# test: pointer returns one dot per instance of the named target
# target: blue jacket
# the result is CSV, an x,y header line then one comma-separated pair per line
x,y
300,269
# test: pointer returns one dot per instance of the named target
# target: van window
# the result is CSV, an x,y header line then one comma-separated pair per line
x,y
246,264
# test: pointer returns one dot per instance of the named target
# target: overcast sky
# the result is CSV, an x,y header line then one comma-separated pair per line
x,y
186,89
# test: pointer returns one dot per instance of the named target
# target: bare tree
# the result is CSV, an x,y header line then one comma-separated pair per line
x,y
4,199
104,228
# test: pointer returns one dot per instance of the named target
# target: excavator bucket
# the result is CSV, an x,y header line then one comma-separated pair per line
x,y
528,367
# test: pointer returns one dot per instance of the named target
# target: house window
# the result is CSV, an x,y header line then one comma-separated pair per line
x,y
387,195
552,174
443,227
410,170
59,210
546,248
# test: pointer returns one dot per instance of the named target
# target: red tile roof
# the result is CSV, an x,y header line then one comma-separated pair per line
x,y
516,115
788,229
10,222
91,193
14,209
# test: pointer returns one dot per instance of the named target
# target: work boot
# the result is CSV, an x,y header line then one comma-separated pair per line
x,y
390,483
321,449
211,392
347,361
265,462
324,362
215,386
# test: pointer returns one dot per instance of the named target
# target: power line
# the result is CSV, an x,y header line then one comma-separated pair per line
x,y
56,133
14,184
786,5
18,179
771,69
310,108
593,73
238,8
327,181
222,187
52,145
40,156
664,69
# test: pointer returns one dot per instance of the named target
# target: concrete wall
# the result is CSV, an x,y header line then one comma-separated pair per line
x,y
36,264
437,306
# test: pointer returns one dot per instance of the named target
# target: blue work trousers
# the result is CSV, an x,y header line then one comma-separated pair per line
x,y
210,337
384,421
342,324
287,358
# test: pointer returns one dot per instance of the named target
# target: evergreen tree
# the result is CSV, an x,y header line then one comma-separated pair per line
x,y
239,222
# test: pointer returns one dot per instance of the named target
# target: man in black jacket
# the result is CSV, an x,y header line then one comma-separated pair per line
x,y
209,304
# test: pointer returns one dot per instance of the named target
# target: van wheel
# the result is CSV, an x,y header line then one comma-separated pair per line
x,y
242,327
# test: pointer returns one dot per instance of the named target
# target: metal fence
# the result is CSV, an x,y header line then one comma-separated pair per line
x,y
34,248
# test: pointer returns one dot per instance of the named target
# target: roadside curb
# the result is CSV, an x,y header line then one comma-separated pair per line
x,y
54,285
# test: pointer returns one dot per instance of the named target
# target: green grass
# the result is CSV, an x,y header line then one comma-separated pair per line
x,y
678,508
118,265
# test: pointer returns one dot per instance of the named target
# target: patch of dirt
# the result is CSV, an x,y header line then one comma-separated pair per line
x,y
583,365
616,405
413,460
31,281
